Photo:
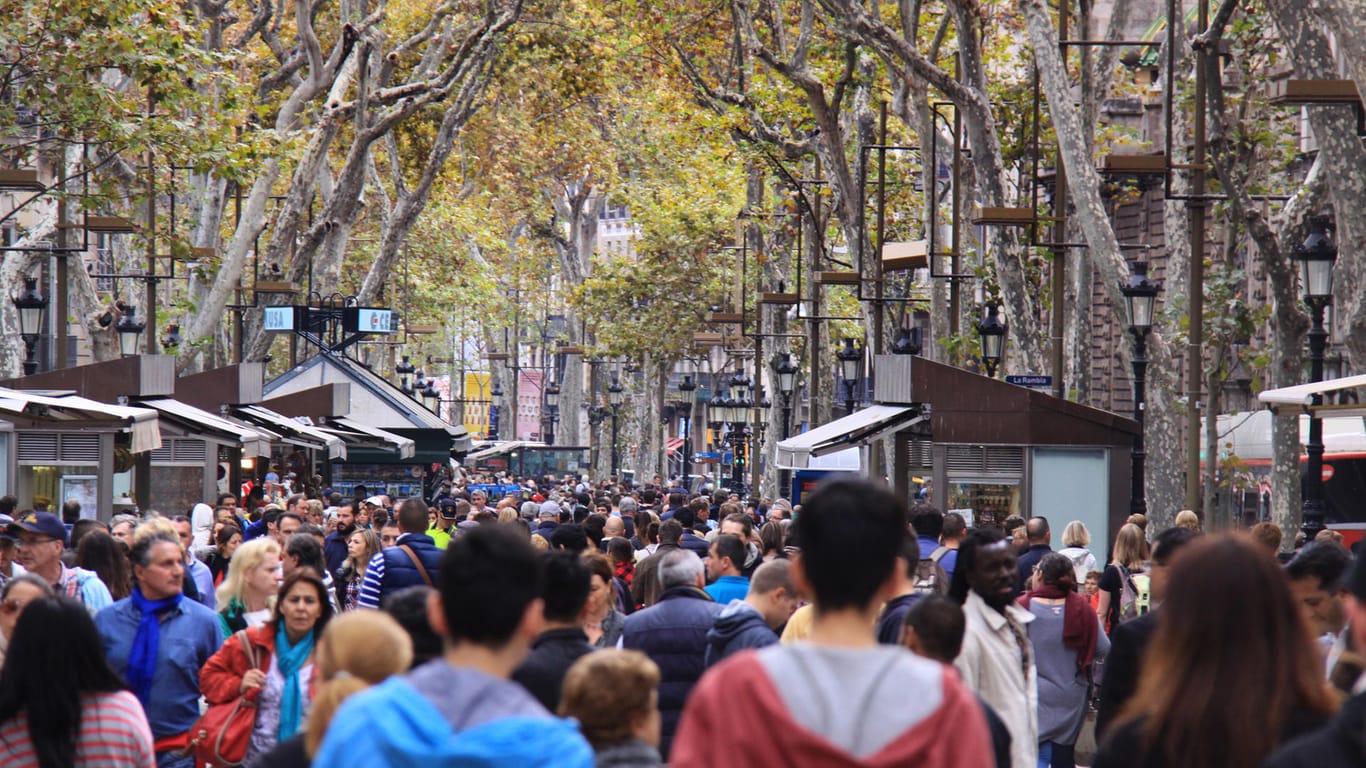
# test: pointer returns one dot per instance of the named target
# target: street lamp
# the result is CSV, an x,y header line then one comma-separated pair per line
x,y
404,369
1140,294
129,329
431,398
907,342
496,394
851,359
614,398
31,305
1315,256
786,371
686,387
993,333
552,407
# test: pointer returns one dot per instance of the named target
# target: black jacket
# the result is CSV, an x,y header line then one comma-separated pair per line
x,y
739,626
1125,748
1340,743
551,656
1024,567
1127,643
673,633
893,615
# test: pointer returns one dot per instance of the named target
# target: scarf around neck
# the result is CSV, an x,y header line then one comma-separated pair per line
x,y
290,659
142,657
1080,627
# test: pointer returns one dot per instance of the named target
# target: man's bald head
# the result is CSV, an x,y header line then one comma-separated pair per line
x,y
1036,530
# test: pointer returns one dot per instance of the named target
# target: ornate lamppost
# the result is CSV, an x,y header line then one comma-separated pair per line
x,y
1315,256
1140,294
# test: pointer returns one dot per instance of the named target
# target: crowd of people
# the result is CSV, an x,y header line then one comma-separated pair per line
x,y
572,624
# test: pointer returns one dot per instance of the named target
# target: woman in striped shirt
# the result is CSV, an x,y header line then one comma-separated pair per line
x,y
60,702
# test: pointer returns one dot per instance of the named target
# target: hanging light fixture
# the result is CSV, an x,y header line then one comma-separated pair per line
x,y
129,329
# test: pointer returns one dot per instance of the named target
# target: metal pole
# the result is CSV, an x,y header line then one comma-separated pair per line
x,y
1314,508
616,458
1138,504
785,477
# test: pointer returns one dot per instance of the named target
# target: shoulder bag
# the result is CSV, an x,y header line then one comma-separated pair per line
x,y
221,736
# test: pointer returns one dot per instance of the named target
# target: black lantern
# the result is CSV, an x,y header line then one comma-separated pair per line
x,y
1316,256
430,397
552,395
614,394
129,329
907,342
786,371
851,361
31,306
993,333
405,369
497,394
1140,294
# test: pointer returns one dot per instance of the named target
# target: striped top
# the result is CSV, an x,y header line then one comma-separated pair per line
x,y
114,734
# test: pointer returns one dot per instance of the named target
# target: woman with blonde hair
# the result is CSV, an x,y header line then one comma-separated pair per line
x,y
245,596
1129,559
1075,540
357,650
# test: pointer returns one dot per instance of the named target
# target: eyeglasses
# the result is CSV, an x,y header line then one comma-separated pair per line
x,y
30,541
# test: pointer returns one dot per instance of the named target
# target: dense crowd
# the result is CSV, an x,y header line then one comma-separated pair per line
x,y
570,624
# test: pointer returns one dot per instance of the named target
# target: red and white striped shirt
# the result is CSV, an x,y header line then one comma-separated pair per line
x,y
114,734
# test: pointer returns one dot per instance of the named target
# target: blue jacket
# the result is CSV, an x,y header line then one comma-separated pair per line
x,y
394,726
391,569
673,633
694,544
740,626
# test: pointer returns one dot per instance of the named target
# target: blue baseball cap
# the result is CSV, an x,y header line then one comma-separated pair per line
x,y
41,523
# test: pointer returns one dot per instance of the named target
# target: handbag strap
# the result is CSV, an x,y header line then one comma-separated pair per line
x,y
422,569
248,648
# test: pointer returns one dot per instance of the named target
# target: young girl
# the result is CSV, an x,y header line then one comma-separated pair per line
x,y
1092,590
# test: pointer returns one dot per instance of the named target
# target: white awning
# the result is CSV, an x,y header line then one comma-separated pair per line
x,y
292,431
141,423
856,429
252,441
1302,395
499,448
406,447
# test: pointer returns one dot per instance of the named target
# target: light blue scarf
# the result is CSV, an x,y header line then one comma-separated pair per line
x,y
290,659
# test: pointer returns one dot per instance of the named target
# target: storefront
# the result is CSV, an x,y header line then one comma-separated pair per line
x,y
398,447
984,448
58,448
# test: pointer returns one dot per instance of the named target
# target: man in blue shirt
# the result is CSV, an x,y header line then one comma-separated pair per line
x,y
724,561
158,641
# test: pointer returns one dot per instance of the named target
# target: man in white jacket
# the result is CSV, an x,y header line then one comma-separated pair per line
x,y
997,660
